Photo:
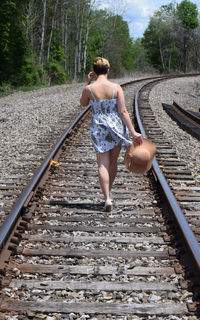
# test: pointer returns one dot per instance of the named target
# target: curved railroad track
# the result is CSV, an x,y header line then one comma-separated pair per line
x,y
186,119
46,127
66,258
174,169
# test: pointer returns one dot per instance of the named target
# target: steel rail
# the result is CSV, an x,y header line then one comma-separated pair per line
x,y
17,208
189,115
185,229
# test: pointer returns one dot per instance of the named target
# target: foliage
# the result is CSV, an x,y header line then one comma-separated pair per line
x,y
169,37
56,40
139,56
5,88
188,14
31,72
12,40
109,36
56,73
52,41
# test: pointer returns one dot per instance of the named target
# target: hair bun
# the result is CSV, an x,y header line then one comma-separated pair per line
x,y
99,61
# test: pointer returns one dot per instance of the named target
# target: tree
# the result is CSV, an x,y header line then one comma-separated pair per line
x,y
12,40
188,15
49,40
159,39
109,36
139,61
169,37
196,46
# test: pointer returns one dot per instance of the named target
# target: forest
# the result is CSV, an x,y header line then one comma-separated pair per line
x,y
47,42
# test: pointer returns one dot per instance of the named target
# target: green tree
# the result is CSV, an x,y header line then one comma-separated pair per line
x,y
159,39
139,61
12,40
188,15
109,36
169,37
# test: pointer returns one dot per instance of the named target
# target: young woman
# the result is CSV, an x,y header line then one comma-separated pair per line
x,y
110,124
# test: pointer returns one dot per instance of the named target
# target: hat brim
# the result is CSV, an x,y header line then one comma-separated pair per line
x,y
130,156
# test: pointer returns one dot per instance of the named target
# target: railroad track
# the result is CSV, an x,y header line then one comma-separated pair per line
x,y
67,259
12,184
187,120
174,169
20,173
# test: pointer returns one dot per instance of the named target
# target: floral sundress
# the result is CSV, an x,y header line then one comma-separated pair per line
x,y
107,129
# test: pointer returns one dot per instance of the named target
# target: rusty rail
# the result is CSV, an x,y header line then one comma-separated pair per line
x,y
27,192
18,207
188,114
186,232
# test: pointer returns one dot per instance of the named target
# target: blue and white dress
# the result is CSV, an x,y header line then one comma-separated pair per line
x,y
107,129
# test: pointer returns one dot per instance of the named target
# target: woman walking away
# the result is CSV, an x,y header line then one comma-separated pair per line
x,y
110,124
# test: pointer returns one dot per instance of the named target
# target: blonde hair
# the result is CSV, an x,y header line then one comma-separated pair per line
x,y
101,65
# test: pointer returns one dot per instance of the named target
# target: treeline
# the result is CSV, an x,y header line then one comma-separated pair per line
x,y
54,41
172,39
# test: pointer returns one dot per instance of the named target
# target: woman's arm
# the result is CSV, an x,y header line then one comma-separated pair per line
x,y
125,115
84,100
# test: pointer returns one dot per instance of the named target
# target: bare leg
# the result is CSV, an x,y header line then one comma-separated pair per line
x,y
107,169
103,161
114,154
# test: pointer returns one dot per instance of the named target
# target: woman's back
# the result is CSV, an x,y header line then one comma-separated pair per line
x,y
103,90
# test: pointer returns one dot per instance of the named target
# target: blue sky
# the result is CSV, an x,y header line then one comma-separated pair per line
x,y
136,12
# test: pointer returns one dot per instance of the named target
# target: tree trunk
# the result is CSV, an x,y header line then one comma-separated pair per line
x,y
52,28
86,37
169,61
80,42
77,17
85,46
71,41
65,29
29,13
161,55
112,29
43,31
184,53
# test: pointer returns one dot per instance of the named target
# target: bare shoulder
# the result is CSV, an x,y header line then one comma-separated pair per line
x,y
86,89
118,90
114,85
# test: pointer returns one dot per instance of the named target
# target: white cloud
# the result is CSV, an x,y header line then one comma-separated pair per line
x,y
143,8
139,25
103,5
114,6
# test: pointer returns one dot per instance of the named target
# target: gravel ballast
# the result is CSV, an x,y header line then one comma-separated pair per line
x,y
185,92
28,117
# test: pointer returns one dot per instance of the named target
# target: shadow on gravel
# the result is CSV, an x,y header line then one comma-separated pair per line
x,y
79,205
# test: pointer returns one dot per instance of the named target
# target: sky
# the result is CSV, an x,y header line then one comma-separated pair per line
x,y
136,12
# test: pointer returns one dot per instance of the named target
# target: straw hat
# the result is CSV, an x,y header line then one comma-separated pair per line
x,y
138,157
